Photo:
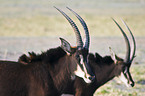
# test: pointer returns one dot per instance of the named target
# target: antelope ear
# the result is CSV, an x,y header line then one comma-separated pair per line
x,y
65,45
113,55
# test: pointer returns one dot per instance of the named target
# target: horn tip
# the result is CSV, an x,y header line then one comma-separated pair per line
x,y
54,6
68,8
112,18
60,38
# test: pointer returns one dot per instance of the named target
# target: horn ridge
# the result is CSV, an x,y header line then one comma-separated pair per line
x,y
75,28
87,42
134,43
127,59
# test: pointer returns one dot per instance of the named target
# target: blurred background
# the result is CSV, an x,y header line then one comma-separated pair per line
x,y
35,25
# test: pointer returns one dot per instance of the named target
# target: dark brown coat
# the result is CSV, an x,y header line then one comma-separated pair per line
x,y
104,69
46,73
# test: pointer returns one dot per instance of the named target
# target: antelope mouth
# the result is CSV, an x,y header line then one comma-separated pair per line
x,y
127,82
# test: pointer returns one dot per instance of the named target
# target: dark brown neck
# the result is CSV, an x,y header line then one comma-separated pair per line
x,y
61,72
103,68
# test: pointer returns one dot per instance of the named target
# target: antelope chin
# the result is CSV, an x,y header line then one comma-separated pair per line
x,y
128,85
124,80
87,80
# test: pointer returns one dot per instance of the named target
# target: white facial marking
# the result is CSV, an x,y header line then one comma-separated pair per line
x,y
124,80
81,58
81,74
87,75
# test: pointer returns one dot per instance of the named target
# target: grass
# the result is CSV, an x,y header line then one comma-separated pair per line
x,y
23,18
57,25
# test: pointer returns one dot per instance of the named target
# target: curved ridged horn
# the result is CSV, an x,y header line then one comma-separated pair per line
x,y
75,28
134,44
87,42
127,59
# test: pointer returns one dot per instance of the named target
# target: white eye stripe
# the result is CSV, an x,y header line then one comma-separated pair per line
x,y
82,62
81,59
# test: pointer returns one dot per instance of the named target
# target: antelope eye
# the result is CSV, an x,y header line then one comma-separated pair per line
x,y
78,57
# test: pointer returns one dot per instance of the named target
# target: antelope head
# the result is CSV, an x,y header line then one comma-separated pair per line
x,y
80,52
123,72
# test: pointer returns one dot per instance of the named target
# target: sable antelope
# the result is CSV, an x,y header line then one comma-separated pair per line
x,y
48,73
105,69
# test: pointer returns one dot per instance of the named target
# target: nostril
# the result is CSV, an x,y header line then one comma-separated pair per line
x,y
92,78
132,84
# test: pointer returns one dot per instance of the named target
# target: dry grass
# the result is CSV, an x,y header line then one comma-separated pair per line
x,y
57,25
